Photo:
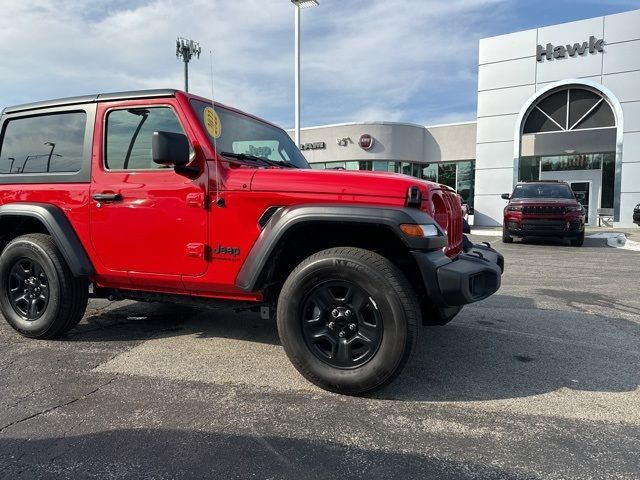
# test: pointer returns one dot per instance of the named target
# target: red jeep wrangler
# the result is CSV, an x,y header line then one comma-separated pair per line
x,y
544,208
160,196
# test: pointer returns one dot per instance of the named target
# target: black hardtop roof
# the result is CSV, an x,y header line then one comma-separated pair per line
x,y
100,97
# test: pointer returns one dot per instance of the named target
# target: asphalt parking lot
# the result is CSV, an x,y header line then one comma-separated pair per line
x,y
540,381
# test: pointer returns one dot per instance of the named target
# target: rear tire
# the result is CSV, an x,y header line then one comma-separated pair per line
x,y
348,320
39,297
506,238
578,241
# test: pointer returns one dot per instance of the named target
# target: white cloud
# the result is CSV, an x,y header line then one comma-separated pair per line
x,y
392,58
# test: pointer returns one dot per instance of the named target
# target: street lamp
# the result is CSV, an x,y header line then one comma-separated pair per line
x,y
299,4
186,49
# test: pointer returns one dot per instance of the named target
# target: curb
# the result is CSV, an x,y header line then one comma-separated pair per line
x,y
617,240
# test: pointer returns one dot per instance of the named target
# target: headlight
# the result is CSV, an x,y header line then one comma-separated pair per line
x,y
575,209
514,208
419,231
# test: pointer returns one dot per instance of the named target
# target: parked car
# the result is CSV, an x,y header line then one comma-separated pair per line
x,y
636,215
543,209
161,196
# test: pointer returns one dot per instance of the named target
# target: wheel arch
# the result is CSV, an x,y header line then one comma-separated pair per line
x,y
21,218
294,233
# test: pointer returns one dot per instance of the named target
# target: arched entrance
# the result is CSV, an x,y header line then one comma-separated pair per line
x,y
570,131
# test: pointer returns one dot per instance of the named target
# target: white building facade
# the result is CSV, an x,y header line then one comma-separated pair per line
x,y
561,102
554,103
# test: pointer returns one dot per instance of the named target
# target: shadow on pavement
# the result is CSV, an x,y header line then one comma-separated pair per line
x,y
484,359
580,300
179,454
136,321
491,358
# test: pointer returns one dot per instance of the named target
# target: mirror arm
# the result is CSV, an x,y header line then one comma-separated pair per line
x,y
185,170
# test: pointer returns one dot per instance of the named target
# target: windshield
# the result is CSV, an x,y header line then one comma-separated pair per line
x,y
240,134
543,190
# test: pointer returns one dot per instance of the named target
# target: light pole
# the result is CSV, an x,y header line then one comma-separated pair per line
x,y
299,4
186,49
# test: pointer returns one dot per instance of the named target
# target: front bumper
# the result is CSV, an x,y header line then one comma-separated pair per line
x,y
472,276
544,227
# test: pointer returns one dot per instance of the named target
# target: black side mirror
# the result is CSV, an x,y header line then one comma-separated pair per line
x,y
469,210
168,148
506,196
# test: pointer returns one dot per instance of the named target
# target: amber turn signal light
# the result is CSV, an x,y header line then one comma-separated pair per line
x,y
419,231
412,230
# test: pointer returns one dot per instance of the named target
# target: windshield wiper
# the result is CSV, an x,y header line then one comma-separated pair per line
x,y
253,158
285,163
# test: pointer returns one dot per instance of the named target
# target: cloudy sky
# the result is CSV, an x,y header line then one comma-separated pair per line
x,y
401,60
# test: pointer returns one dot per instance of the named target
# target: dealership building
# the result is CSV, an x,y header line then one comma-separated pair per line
x,y
554,103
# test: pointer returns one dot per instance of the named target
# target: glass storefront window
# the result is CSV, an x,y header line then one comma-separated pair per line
x,y
430,172
352,166
317,166
335,165
608,179
465,182
380,166
529,169
406,168
571,162
447,174
366,165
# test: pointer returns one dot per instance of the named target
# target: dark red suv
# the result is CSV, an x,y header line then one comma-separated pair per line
x,y
543,209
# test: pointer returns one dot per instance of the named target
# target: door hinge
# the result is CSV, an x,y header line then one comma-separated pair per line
x,y
197,200
196,250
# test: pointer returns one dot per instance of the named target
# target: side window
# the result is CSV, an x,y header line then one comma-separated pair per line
x,y
129,134
52,143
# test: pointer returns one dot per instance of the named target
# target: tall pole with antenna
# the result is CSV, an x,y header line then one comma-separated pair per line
x,y
185,50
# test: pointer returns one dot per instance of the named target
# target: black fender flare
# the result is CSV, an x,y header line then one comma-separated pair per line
x,y
59,227
285,218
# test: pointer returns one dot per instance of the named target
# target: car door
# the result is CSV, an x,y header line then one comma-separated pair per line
x,y
146,219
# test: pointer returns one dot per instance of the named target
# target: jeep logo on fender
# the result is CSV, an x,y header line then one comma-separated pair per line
x,y
220,250
561,51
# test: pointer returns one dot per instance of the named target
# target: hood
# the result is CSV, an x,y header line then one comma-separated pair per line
x,y
337,182
543,201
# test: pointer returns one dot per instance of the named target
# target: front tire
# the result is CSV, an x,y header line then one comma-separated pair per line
x,y
348,319
39,297
506,238
578,241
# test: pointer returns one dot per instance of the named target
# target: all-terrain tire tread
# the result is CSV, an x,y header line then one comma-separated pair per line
x,y
399,284
74,291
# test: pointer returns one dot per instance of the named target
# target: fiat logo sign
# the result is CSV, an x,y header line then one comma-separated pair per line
x,y
366,142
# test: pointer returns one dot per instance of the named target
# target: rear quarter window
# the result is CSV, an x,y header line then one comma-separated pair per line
x,y
51,143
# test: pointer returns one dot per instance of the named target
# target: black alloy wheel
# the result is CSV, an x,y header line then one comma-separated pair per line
x,y
28,289
348,320
341,324
39,296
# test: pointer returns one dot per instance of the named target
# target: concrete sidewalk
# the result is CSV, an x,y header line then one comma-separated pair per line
x,y
630,233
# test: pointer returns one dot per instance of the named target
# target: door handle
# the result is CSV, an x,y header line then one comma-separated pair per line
x,y
107,197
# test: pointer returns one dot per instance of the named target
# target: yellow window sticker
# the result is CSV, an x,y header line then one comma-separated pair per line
x,y
212,122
